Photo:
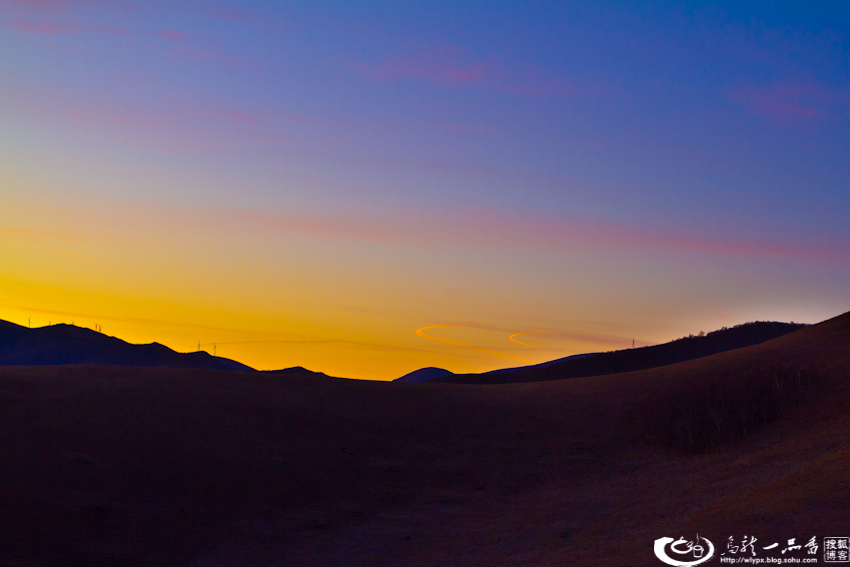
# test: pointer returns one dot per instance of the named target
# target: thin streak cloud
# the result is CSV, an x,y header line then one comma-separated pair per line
x,y
450,66
360,344
92,258
788,103
548,233
421,333
528,333
123,319
587,338
207,328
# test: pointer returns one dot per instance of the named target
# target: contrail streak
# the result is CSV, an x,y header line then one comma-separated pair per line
x,y
315,342
573,336
421,333
528,333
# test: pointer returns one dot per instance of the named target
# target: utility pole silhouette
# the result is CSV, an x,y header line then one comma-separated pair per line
x,y
213,349
199,346
633,343
29,323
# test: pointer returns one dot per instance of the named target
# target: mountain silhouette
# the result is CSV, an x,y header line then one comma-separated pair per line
x,y
69,344
629,360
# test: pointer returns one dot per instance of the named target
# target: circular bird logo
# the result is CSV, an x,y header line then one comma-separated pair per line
x,y
685,553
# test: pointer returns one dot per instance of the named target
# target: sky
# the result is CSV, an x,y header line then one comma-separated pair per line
x,y
365,189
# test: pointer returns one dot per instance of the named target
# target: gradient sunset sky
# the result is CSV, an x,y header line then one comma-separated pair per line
x,y
365,189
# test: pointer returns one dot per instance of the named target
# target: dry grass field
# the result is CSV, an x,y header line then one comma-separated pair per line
x,y
112,466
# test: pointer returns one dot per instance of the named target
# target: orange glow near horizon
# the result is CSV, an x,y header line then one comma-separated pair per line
x,y
348,306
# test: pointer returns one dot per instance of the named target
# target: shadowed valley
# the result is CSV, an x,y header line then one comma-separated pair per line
x,y
109,465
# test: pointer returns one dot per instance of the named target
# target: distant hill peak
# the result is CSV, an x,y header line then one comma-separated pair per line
x,y
424,375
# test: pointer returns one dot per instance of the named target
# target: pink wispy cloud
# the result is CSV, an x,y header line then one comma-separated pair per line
x,y
71,28
54,28
785,104
44,28
476,230
449,65
182,48
216,57
172,35
46,2
471,129
53,5
234,16
533,80
168,124
445,65
550,233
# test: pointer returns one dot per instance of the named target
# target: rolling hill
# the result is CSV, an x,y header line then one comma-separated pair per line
x,y
68,344
423,375
105,465
629,360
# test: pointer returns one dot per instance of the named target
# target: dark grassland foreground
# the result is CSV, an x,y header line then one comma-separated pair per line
x,y
699,415
132,466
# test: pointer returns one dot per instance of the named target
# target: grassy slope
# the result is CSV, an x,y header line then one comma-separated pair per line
x,y
122,466
634,359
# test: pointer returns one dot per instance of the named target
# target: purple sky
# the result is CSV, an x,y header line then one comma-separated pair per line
x,y
350,173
